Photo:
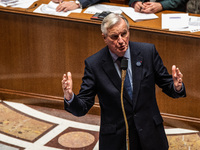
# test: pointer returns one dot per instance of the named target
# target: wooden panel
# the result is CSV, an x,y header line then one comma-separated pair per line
x,y
36,51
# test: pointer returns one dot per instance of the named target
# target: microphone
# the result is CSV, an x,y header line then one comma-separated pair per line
x,y
124,66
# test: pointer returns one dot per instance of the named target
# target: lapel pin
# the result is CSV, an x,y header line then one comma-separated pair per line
x,y
139,63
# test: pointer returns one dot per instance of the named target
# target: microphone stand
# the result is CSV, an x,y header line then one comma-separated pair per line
x,y
124,66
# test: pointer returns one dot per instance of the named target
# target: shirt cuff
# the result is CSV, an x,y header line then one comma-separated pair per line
x,y
133,4
78,3
180,90
69,101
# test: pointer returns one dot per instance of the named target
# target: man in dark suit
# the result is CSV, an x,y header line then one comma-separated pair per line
x,y
102,77
154,6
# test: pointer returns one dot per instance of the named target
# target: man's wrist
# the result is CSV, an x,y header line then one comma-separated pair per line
x,y
78,3
178,91
69,101
133,4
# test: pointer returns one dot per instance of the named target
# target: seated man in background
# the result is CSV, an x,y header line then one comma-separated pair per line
x,y
71,5
193,6
154,6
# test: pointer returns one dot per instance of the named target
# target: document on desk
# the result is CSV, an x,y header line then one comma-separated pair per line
x,y
50,8
17,3
193,25
175,21
136,16
99,8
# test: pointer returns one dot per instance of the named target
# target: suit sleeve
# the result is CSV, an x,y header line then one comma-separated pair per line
x,y
133,1
82,102
163,79
173,4
86,3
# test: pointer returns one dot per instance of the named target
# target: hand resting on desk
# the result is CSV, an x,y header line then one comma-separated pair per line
x,y
66,5
147,7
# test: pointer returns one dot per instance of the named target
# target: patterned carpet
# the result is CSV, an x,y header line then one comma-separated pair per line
x,y
25,128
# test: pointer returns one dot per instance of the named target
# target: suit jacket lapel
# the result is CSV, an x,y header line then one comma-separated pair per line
x,y
111,72
137,61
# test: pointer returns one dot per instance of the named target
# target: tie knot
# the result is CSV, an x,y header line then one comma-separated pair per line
x,y
120,59
122,63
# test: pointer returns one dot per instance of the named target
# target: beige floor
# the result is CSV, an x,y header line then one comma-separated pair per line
x,y
25,127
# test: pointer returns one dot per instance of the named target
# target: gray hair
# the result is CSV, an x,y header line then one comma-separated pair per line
x,y
110,20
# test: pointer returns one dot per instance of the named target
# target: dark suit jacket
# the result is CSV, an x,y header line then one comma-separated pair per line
x,y
87,3
176,5
101,78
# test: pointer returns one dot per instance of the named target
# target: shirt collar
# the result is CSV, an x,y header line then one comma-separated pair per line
x,y
126,55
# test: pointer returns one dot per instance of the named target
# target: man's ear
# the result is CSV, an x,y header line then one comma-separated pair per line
x,y
103,36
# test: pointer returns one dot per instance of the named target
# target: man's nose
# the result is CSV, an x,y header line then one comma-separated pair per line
x,y
120,39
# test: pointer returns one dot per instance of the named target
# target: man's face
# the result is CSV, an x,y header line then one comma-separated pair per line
x,y
117,38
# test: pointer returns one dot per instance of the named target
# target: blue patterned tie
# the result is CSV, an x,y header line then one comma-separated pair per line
x,y
127,83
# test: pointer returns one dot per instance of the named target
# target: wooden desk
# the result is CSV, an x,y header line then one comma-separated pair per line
x,y
36,49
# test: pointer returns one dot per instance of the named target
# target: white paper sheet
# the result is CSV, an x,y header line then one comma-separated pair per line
x,y
175,21
98,8
50,8
194,23
136,16
180,22
17,3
